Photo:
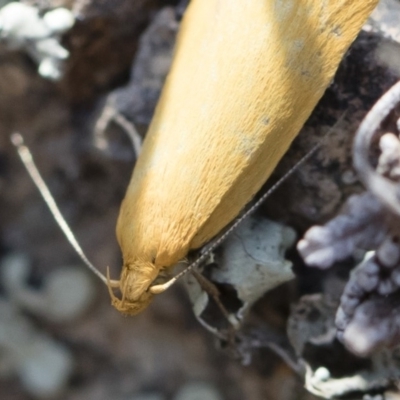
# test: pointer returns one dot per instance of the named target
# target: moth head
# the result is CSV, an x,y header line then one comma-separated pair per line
x,y
134,285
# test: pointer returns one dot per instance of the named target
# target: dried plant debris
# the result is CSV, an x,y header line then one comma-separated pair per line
x,y
132,106
311,322
138,99
384,22
312,332
384,19
22,27
367,316
250,263
321,383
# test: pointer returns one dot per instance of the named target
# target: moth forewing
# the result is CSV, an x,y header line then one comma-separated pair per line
x,y
244,79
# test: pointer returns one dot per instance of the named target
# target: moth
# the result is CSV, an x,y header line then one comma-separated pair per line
x,y
245,77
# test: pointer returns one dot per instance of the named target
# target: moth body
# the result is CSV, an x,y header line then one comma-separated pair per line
x,y
245,77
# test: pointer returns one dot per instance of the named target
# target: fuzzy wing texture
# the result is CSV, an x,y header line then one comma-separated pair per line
x,y
245,77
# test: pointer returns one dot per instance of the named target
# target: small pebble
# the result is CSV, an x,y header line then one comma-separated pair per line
x,y
198,391
322,374
15,269
46,368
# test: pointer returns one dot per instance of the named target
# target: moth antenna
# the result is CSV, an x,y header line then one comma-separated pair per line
x,y
27,159
157,289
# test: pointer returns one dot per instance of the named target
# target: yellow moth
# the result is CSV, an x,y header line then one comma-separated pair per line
x,y
245,77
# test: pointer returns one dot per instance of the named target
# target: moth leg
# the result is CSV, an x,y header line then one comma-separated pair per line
x,y
123,290
112,284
